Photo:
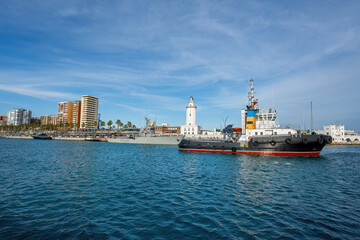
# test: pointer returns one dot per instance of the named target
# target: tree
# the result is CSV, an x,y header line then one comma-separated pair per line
x,y
102,123
133,126
83,125
109,125
129,124
67,125
119,123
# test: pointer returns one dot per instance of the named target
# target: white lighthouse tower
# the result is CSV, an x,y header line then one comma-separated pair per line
x,y
190,128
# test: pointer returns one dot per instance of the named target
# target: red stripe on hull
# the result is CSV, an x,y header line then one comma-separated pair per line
x,y
253,152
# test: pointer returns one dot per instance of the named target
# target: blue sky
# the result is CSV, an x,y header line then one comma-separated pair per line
x,y
148,57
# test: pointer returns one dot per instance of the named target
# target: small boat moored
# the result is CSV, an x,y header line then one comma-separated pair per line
x,y
42,136
91,139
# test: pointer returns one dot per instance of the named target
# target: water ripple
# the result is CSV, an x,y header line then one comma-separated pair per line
x,y
80,190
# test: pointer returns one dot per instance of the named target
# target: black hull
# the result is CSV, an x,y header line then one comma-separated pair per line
x,y
42,137
92,140
302,145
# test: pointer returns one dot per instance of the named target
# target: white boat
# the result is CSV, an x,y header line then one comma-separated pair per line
x,y
147,136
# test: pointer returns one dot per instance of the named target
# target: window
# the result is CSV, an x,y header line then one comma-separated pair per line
x,y
255,133
261,133
275,133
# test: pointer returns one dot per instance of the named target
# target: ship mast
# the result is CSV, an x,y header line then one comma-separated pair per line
x,y
252,101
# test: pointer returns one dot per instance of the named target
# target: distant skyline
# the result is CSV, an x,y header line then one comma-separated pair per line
x,y
149,57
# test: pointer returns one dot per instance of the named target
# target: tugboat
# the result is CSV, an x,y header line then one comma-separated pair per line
x,y
42,136
259,135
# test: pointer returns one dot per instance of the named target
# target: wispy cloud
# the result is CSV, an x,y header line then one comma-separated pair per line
x,y
153,55
37,93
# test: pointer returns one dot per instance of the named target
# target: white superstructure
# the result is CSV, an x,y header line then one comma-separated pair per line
x,y
190,128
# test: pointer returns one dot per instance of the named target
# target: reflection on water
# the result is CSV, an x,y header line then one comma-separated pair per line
x,y
59,189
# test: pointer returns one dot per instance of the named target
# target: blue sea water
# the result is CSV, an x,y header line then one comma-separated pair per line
x,y
89,190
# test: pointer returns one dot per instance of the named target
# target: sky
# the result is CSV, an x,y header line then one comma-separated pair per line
x,y
148,57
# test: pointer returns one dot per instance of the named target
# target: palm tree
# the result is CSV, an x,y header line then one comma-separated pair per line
x,y
133,126
83,125
109,125
72,126
119,123
129,124
102,123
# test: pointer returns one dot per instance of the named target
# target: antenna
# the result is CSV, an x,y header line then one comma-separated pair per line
x,y
272,95
302,113
225,120
312,119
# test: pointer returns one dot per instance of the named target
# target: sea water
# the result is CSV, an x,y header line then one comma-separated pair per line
x,y
82,190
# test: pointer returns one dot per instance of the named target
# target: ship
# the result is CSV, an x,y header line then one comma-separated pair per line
x,y
91,139
259,135
42,136
147,135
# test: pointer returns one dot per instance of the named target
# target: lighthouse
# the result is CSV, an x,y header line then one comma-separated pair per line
x,y
190,128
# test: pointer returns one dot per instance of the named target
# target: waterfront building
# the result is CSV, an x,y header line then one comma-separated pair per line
x,y
48,119
337,132
26,119
65,112
18,116
190,128
89,112
77,114
3,120
166,129
35,120
352,136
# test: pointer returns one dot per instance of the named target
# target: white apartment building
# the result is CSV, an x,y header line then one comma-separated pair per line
x,y
337,132
18,116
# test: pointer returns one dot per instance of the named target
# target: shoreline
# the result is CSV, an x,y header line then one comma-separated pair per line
x,y
56,138
342,143
105,140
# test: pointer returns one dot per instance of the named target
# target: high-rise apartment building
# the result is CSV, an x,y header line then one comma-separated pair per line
x,y
89,111
77,114
26,119
18,116
65,112
48,119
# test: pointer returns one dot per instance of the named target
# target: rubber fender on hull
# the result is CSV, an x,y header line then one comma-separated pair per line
x,y
305,141
328,139
255,143
321,140
272,143
288,140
